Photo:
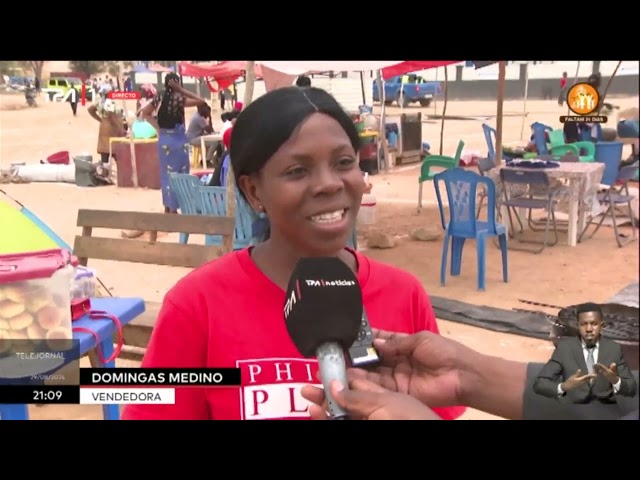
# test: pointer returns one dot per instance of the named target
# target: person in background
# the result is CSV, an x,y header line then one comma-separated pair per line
x,y
226,97
173,151
147,94
219,177
228,119
200,125
563,89
294,159
37,86
234,93
73,100
303,81
595,80
111,125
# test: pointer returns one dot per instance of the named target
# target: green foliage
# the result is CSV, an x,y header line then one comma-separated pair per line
x,y
88,67
92,67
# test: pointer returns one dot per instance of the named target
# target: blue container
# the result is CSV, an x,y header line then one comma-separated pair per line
x,y
393,139
628,129
609,153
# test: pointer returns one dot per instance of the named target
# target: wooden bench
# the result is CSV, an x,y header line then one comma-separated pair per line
x,y
86,246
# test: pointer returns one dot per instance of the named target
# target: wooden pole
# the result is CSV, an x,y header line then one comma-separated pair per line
x,y
606,89
575,80
382,138
249,80
132,145
526,95
502,71
444,108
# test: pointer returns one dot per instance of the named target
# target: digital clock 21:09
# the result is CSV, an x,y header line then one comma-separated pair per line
x,y
39,394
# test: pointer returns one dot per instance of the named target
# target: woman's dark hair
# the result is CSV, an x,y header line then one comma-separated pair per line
x,y
303,81
269,121
166,117
229,116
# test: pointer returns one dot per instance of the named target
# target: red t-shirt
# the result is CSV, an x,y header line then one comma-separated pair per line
x,y
227,313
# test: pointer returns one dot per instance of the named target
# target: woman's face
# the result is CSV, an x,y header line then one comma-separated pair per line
x,y
311,188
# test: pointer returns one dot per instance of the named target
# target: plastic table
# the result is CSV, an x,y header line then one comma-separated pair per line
x,y
125,309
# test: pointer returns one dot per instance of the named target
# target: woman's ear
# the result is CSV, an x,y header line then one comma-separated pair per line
x,y
248,184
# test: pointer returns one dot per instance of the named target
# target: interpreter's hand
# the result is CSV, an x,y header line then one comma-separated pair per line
x,y
424,365
577,379
367,401
610,373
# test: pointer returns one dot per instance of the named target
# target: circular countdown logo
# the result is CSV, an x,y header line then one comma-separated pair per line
x,y
583,99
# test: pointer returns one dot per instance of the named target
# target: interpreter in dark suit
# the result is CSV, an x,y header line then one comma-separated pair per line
x,y
588,368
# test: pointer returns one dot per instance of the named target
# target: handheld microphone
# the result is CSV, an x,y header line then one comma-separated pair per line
x,y
322,312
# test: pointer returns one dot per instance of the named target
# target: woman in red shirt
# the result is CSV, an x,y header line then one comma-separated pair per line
x,y
294,157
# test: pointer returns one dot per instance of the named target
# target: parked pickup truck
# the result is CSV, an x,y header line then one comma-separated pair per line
x,y
407,89
57,88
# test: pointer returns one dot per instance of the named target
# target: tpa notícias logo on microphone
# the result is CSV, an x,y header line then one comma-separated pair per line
x,y
330,283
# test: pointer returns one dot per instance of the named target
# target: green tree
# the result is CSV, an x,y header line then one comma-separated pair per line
x,y
88,67
6,66
113,67
36,66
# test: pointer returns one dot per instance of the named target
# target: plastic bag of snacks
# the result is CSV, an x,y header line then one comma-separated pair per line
x,y
84,283
34,297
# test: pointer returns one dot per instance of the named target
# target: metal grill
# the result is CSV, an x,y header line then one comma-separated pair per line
x,y
622,323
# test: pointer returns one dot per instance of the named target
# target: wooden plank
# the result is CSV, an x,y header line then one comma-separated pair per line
x,y
177,255
159,222
138,332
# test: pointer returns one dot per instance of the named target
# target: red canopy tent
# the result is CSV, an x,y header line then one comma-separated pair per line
x,y
224,73
156,67
413,66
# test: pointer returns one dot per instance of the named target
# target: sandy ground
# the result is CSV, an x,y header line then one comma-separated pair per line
x,y
595,270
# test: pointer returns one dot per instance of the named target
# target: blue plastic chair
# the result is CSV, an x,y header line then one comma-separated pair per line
x,y
542,195
462,188
183,187
213,201
539,137
489,134
617,193
616,196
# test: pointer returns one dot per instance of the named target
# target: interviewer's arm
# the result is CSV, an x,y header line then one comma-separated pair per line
x,y
549,381
494,385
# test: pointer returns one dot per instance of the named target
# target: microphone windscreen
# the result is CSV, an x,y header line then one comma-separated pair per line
x,y
324,304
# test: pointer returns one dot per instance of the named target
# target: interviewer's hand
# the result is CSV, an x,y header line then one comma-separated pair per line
x,y
425,365
367,401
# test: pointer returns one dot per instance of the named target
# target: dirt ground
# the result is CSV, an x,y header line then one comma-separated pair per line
x,y
561,275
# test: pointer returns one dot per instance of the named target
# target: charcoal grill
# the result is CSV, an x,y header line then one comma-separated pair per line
x,y
622,325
